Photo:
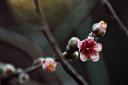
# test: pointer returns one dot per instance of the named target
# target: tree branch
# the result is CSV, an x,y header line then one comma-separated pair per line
x,y
46,31
124,28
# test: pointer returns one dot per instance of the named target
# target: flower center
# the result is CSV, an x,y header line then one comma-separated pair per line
x,y
51,67
87,48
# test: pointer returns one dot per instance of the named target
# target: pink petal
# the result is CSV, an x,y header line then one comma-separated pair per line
x,y
91,38
49,61
79,44
44,66
95,58
83,57
98,47
103,25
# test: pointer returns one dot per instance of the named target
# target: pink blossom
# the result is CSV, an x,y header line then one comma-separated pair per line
x,y
49,64
89,49
99,29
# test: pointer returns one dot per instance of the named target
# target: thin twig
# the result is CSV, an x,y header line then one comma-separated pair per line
x,y
46,31
124,28
36,67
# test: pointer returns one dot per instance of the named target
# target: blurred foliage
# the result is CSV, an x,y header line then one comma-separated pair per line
x,y
54,10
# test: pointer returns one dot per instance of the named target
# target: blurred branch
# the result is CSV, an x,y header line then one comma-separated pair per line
x,y
124,28
46,31
37,66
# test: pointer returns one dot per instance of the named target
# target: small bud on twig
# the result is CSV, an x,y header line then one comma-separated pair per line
x,y
99,29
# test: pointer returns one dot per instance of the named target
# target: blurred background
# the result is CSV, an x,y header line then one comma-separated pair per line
x,y
21,40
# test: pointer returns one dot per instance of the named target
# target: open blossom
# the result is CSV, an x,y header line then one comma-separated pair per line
x,y
89,49
99,29
49,64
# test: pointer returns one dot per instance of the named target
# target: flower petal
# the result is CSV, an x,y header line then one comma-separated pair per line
x,y
95,26
79,44
91,38
95,58
98,47
103,25
83,57
73,41
49,64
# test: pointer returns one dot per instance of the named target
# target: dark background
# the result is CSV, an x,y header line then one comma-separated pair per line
x,y
21,43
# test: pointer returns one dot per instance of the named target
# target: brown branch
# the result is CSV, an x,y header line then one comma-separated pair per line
x,y
46,31
111,9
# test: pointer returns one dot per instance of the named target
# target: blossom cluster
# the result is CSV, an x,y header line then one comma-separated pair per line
x,y
48,64
89,48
